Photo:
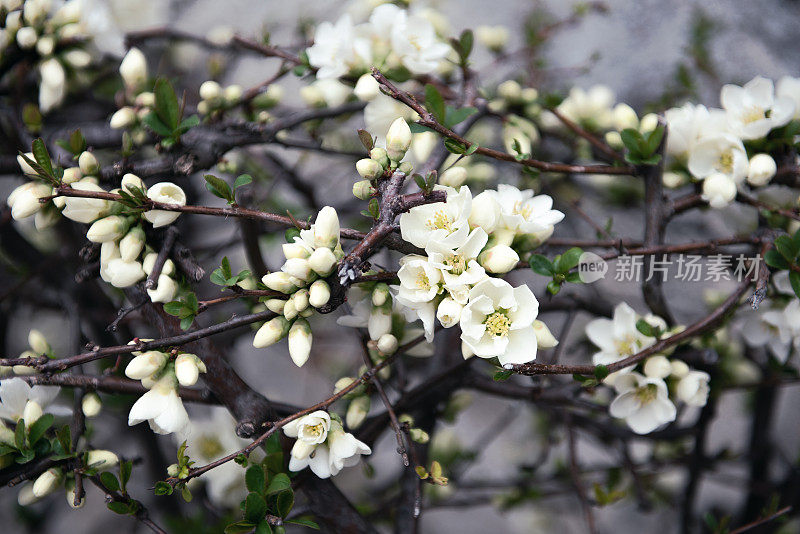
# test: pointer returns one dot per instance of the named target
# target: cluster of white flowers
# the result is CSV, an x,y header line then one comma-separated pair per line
x,y
646,399
391,38
161,407
138,102
310,258
721,146
322,445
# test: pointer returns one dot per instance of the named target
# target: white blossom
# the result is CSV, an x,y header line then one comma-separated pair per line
x,y
617,338
693,388
445,222
753,110
15,394
161,407
166,193
337,49
643,402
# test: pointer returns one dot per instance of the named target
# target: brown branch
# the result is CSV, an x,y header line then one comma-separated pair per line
x,y
170,236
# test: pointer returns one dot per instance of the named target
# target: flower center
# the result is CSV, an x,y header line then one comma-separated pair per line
x,y
626,346
440,221
725,162
522,209
753,114
423,282
210,447
457,263
497,324
646,394
314,431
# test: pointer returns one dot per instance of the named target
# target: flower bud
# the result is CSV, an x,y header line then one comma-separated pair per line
x,y
369,168
499,259
381,156
322,261
145,364
673,180
23,370
101,460
297,267
326,228
319,293
448,312
719,190
300,299
510,90
123,118
131,180
232,94
120,273
271,332
150,260
132,244
398,139
657,367
623,116
26,37
107,229
453,177
91,405
38,342
71,175
380,295
418,435
88,163
275,305
210,90
295,250
268,98
387,344
173,470
363,189
494,38
23,165
279,281
529,95
679,369
31,412
145,100
70,494
165,289
45,45
188,368
47,482
300,342
166,193
6,435
133,69
78,59
289,309
26,496
24,200
366,88
544,338
357,411
762,169
648,123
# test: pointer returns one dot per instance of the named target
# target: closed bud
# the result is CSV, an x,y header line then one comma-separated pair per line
x,y
101,460
45,45
319,293
289,309
31,412
300,299
544,338
279,281
91,405
357,411
494,38
107,229
47,482
26,37
366,88
173,470
38,342
210,90
679,369
71,174
322,261
448,312
150,260
369,168
363,189
510,90
165,290
271,332
398,139
23,165
380,155
340,384
499,259
133,69
623,116
232,94
300,342
145,364
275,305
648,123
78,59
762,169
26,496
295,250
6,435
453,177
657,367
120,273
719,190
387,344
380,295
24,200
70,494
131,180
132,244
145,100
419,435
88,163
326,228
123,118
297,267
673,179
187,369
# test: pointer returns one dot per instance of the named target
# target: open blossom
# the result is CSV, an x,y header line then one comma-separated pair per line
x,y
643,402
337,49
498,322
693,388
414,41
419,279
525,213
617,338
445,222
322,445
753,110
685,125
721,153
776,328
161,407
591,108
458,265
16,394
85,210
166,193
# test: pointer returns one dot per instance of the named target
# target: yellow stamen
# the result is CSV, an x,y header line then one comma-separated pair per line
x,y
497,324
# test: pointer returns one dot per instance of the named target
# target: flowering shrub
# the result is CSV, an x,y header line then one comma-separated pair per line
x,y
471,231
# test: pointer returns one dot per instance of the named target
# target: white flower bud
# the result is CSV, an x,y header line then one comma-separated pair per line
x,y
295,250
71,175
297,267
300,300
133,69
173,470
6,435
187,369
70,494
78,59
289,309
165,289
449,312
380,295
232,94
544,338
300,342
38,342
47,482
145,100
673,179
132,244
366,88
453,177
510,90
529,95
26,37
91,405
357,411
102,460
145,364
387,344
150,260
275,305
279,281
45,45
657,367
762,169
363,189
13,20
326,228
25,496
379,154
499,259
166,193
398,139
319,293
648,123
23,165
369,168
24,200
85,210
120,273
322,261
123,118
679,369
623,116
107,229
494,38
719,190
31,412
271,332
210,90
131,180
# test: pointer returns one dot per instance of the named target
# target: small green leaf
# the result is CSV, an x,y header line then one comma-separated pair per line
x,y
786,247
218,187
242,180
502,376
553,287
435,103
285,502
303,521
457,116
254,479
654,139
125,469
240,527
152,121
38,428
109,481
279,482
454,147
541,265
166,104
19,435
255,508
646,328
366,139
263,527
794,279
466,40
569,259
163,488
120,508
775,260
600,372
